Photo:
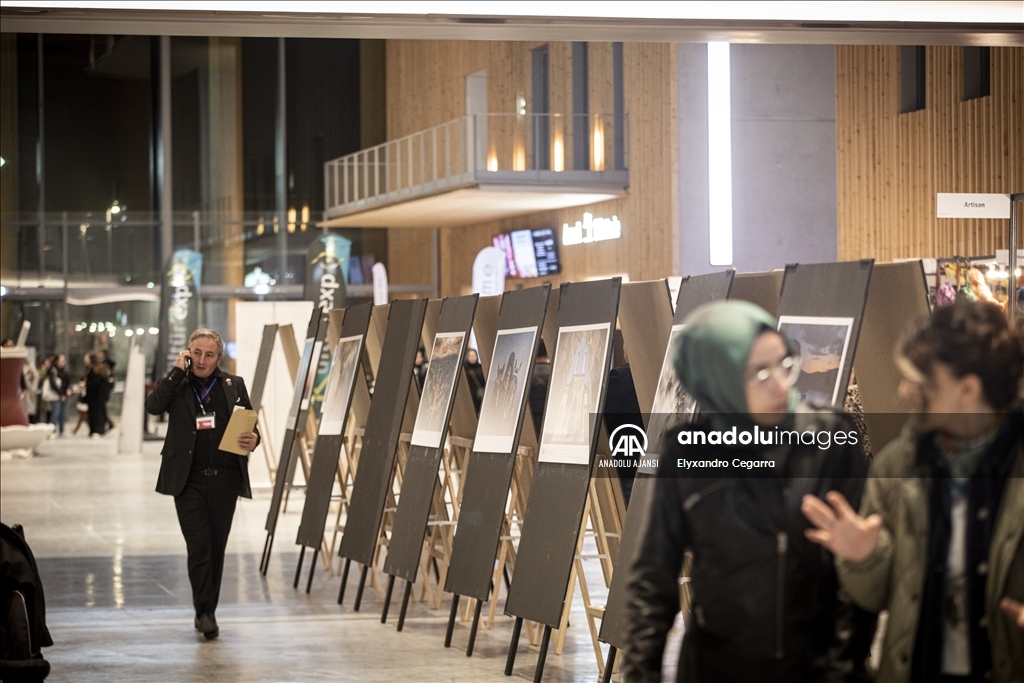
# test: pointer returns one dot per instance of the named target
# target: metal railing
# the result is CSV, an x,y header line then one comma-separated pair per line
x,y
452,155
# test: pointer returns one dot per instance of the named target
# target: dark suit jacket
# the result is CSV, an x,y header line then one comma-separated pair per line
x,y
173,396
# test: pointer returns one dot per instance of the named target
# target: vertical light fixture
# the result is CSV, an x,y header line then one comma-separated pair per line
x,y
719,155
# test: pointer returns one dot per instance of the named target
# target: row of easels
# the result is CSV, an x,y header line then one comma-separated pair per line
x,y
599,546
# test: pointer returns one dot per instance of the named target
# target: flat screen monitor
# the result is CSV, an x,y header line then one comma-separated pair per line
x,y
529,253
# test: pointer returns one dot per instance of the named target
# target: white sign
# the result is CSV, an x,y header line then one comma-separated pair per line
x,y
591,229
954,205
380,284
489,272
1003,257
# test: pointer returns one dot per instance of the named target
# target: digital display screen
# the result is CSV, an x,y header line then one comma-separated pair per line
x,y
529,253
545,251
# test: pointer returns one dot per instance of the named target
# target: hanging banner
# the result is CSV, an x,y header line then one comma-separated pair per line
x,y
489,272
380,284
327,263
180,301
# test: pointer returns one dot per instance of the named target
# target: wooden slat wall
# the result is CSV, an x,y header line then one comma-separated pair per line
x,y
425,87
890,165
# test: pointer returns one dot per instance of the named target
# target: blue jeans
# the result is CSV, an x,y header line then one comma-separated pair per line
x,y
59,414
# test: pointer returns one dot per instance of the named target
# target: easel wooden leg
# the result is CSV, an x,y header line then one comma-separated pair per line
x,y
312,568
539,672
609,665
263,557
473,629
511,661
298,568
563,624
451,621
405,605
359,591
344,580
387,599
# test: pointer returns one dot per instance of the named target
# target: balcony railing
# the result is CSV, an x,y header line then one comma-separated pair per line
x,y
465,151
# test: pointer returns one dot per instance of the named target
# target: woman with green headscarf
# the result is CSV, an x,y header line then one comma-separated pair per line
x,y
765,603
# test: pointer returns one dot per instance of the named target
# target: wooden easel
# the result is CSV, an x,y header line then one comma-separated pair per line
x,y
519,493
266,437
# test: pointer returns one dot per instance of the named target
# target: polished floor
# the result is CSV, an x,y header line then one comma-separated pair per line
x,y
119,604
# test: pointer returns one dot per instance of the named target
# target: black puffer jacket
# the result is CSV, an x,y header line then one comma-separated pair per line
x,y
766,603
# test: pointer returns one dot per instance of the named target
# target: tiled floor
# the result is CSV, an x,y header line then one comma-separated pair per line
x,y
119,604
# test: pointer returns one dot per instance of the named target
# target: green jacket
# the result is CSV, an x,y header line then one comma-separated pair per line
x,y
892,578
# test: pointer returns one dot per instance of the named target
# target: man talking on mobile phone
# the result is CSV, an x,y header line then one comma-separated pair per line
x,y
204,480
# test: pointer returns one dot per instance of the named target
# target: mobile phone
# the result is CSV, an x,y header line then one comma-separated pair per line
x,y
188,364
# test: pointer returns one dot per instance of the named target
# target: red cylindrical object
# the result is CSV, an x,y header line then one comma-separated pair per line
x,y
12,412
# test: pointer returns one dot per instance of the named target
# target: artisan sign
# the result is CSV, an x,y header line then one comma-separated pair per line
x,y
957,205
591,229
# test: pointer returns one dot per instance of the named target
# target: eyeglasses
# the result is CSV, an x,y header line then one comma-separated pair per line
x,y
787,371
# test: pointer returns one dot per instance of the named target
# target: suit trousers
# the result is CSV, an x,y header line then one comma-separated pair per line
x,y
205,509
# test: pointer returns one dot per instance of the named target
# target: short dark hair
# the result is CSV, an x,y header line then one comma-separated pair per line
x,y
970,337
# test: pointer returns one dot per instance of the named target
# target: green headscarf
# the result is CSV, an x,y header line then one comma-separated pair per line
x,y
711,358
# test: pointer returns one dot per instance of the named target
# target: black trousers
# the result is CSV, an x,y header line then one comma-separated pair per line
x,y
205,509
97,417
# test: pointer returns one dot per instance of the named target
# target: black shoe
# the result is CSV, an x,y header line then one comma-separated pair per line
x,y
207,625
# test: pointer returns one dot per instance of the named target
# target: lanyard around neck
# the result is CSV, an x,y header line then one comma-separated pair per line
x,y
205,394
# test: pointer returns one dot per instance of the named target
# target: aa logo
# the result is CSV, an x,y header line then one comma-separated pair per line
x,y
628,441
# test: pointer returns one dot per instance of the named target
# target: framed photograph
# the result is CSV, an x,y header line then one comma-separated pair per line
x,y
438,387
344,367
577,378
507,380
823,343
672,404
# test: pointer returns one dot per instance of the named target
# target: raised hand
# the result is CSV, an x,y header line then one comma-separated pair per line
x,y
840,528
1014,609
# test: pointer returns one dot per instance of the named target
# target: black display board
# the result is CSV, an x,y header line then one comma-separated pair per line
x,y
828,298
558,491
694,292
489,475
315,332
259,377
346,370
383,429
420,477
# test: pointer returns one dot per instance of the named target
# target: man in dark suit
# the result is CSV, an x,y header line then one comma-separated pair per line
x,y
204,480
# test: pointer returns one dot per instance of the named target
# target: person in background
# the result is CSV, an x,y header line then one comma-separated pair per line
x,y
539,385
43,411
621,407
59,390
7,343
939,539
30,390
81,405
97,393
853,406
204,480
475,378
765,601
104,357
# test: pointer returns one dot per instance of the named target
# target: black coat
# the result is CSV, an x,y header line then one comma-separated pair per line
x,y
765,598
173,395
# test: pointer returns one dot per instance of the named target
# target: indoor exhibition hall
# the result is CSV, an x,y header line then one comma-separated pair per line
x,y
472,342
